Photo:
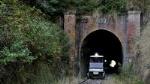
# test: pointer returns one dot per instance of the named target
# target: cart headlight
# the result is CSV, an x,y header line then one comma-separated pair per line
x,y
113,63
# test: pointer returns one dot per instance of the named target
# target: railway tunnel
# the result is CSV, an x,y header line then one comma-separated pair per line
x,y
104,43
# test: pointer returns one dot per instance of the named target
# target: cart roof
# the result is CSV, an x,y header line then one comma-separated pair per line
x,y
96,55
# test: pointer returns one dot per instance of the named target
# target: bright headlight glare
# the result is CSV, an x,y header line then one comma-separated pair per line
x,y
113,63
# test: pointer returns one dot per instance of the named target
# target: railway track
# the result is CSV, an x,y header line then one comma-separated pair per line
x,y
95,81
92,81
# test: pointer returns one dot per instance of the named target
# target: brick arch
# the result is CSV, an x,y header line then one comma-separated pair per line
x,y
117,32
83,59
125,27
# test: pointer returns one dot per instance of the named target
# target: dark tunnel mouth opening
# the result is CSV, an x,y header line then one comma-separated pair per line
x,y
104,43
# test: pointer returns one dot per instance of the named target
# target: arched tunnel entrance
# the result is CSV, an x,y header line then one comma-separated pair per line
x,y
104,43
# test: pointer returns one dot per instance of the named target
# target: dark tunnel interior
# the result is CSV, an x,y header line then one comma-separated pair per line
x,y
104,43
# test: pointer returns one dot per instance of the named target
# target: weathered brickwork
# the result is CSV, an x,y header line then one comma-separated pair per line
x,y
125,27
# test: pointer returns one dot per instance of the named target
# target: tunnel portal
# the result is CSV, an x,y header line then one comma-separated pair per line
x,y
104,43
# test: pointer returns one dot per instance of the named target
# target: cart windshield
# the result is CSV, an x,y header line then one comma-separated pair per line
x,y
96,59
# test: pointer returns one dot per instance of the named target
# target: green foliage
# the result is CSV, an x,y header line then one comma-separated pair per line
x,y
58,7
136,4
55,7
43,75
28,39
86,6
16,52
108,6
29,36
128,75
144,63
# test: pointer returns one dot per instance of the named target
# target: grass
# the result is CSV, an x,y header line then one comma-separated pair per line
x,y
67,80
144,61
130,74
127,76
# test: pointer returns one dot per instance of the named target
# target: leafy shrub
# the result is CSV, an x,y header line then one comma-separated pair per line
x,y
108,6
58,7
16,52
30,36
